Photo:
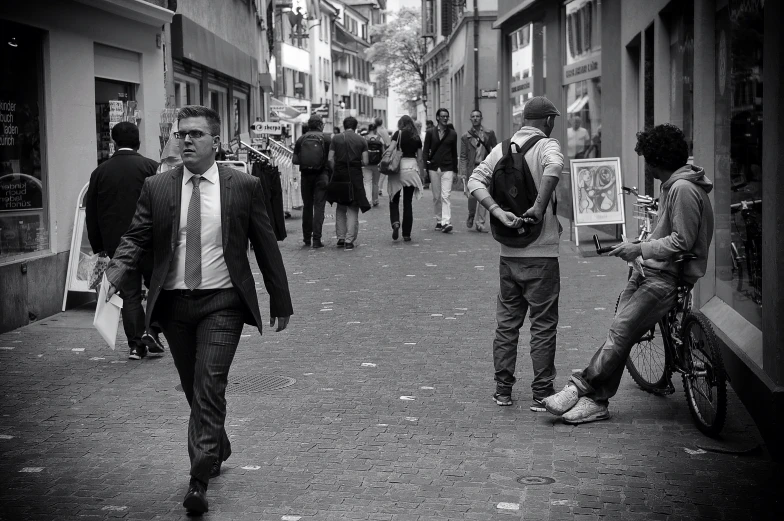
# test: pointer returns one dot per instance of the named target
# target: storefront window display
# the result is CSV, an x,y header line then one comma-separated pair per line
x,y
114,102
682,71
522,72
582,79
738,168
23,198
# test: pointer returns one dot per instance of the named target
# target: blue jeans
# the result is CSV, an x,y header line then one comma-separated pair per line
x,y
533,283
643,303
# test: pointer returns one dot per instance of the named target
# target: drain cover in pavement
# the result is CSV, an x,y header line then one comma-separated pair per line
x,y
255,383
535,480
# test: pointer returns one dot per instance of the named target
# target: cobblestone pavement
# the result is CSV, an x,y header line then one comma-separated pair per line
x,y
390,417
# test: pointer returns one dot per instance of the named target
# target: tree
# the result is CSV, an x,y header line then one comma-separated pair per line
x,y
398,53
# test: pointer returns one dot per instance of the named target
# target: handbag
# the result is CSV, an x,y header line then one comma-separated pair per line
x,y
390,160
341,192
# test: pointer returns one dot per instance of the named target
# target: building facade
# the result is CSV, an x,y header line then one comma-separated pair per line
x,y
699,64
70,70
460,64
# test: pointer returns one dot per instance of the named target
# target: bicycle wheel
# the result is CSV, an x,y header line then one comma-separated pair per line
x,y
705,381
648,360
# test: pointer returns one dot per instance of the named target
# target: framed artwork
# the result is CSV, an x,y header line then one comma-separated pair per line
x,y
597,195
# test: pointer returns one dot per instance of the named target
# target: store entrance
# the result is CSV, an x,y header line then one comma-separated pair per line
x,y
115,101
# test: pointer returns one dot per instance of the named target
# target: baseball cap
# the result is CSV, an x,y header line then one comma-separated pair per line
x,y
539,107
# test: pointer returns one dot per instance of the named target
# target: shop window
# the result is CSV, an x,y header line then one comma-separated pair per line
x,y
738,160
682,71
240,104
521,88
219,103
186,91
584,113
23,198
115,101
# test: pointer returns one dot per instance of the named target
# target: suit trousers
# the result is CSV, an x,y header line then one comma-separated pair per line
x,y
132,310
441,187
203,329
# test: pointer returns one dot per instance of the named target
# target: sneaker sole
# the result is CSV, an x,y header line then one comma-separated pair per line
x,y
538,408
502,404
592,418
134,357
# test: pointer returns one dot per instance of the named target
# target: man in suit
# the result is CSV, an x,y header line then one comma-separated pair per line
x,y
110,203
475,145
440,152
197,220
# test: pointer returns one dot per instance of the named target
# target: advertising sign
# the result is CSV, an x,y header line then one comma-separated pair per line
x,y
597,193
20,192
81,259
267,127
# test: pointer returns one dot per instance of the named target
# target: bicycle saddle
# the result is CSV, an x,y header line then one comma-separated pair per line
x,y
684,257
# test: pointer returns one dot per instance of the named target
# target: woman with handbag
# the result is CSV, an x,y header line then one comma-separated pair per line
x,y
348,153
408,179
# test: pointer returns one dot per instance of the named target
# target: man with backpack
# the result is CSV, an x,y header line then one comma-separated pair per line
x,y
475,144
515,182
370,173
310,153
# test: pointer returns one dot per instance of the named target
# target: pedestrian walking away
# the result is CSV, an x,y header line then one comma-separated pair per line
x,y
370,173
383,133
515,183
475,144
440,153
311,152
409,180
110,203
684,225
348,153
197,221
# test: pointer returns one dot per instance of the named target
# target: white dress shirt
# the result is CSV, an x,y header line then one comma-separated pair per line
x,y
214,273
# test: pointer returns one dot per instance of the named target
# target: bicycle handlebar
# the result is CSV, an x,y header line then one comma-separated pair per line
x,y
632,190
745,205
601,250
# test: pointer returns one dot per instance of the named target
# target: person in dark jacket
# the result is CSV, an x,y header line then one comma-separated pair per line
x,y
110,204
348,153
313,185
440,153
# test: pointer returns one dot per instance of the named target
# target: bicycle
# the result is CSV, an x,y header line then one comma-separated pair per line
x,y
685,343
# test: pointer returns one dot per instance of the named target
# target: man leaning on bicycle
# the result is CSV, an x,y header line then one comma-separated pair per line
x,y
685,225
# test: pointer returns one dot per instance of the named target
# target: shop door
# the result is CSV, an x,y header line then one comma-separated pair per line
x,y
114,102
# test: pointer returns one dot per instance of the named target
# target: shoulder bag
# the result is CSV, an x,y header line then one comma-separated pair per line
x,y
390,160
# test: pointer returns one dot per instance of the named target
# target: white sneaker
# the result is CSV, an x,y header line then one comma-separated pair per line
x,y
562,401
586,411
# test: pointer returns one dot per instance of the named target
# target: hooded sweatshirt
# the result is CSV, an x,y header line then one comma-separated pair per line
x,y
685,224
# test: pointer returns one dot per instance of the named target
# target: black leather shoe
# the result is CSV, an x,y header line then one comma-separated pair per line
x,y
216,469
196,499
317,243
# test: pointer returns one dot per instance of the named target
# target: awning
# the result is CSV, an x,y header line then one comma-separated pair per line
x,y
193,42
522,6
577,105
284,111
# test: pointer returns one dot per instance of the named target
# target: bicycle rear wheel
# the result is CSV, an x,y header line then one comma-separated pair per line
x,y
648,362
705,381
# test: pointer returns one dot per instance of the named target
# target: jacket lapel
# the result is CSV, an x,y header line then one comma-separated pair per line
x,y
175,192
436,139
225,174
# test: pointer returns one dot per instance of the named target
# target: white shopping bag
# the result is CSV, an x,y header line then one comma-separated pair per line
x,y
107,314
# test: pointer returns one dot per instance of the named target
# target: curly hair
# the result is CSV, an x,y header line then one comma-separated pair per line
x,y
663,146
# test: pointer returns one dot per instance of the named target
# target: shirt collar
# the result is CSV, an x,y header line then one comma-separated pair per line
x,y
210,175
125,148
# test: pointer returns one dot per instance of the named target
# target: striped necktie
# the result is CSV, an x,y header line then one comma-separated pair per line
x,y
193,237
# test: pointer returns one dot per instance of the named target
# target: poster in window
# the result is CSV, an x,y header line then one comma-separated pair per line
x,y
597,191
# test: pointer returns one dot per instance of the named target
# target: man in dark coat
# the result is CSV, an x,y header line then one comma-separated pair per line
x,y
197,220
348,153
440,153
110,203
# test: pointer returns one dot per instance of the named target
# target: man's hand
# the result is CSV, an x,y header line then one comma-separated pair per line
x,y
533,214
628,251
110,291
282,322
508,219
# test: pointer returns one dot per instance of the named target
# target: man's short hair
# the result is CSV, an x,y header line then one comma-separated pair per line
x,y
479,111
379,122
315,123
200,111
663,146
439,111
350,123
126,135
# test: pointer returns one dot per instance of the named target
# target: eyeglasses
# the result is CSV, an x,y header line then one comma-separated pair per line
x,y
193,134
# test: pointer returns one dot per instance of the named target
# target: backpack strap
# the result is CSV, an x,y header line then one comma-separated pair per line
x,y
528,145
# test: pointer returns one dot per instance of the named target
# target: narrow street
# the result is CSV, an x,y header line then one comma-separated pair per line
x,y
386,413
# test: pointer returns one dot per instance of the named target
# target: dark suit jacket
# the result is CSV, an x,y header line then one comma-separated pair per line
x,y
243,217
468,152
443,156
111,198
